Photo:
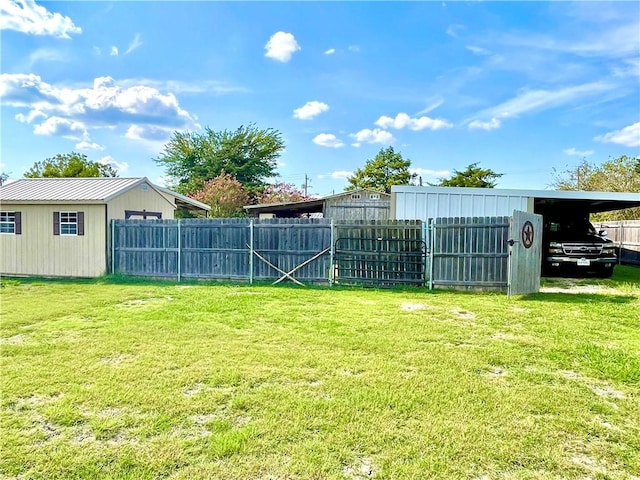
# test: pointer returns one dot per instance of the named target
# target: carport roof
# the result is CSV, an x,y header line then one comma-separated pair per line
x,y
593,201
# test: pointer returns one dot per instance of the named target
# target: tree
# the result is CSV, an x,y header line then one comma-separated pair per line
x,y
473,176
380,173
620,174
280,193
225,195
248,154
4,176
70,165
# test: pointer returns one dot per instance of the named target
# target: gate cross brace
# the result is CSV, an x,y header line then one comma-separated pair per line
x,y
289,273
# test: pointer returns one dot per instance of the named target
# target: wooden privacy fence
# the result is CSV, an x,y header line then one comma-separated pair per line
x,y
448,252
625,234
468,251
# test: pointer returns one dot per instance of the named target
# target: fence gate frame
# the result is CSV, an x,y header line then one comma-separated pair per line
x,y
525,253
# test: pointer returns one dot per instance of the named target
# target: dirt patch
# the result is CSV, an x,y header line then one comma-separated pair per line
x,y
607,392
193,390
109,413
138,302
570,374
574,288
114,360
14,340
495,372
412,307
464,314
363,468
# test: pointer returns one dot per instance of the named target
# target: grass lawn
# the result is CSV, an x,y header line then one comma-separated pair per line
x,y
102,379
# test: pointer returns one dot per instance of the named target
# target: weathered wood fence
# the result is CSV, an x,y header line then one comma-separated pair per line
x,y
626,235
446,252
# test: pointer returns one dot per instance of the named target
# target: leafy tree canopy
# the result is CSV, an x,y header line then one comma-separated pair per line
x,y
225,195
282,192
620,174
70,165
472,176
380,173
248,154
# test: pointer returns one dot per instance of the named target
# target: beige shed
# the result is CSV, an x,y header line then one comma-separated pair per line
x,y
60,226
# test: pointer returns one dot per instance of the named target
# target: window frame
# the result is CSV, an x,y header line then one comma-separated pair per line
x,y
67,222
7,221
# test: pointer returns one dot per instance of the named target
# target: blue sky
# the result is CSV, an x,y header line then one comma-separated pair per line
x,y
521,88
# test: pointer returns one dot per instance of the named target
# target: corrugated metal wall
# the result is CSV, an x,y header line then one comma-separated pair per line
x,y
421,203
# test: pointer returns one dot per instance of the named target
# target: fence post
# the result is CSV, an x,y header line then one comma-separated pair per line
x,y
113,246
179,251
621,247
331,272
432,243
251,251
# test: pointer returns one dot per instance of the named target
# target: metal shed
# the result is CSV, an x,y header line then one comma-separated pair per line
x,y
423,203
60,226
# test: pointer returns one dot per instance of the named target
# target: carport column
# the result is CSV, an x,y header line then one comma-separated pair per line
x,y
179,251
251,251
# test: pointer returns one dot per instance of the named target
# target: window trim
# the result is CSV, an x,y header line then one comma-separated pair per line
x,y
16,223
356,196
58,222
374,196
75,223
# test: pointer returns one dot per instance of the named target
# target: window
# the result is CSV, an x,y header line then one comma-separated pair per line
x,y
68,223
11,222
355,196
374,196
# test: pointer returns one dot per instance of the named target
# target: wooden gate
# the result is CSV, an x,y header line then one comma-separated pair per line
x,y
525,253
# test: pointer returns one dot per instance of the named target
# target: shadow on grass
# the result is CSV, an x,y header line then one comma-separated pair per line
x,y
579,298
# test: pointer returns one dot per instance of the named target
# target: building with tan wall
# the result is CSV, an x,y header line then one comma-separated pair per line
x,y
60,226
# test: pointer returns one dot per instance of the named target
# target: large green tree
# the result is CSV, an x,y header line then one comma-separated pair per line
x,y
380,173
620,174
472,176
70,165
248,154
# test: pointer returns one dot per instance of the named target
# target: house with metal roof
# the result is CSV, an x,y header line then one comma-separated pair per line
x,y
60,226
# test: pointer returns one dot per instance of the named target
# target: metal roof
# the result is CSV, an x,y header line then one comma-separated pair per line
x,y
89,190
544,200
99,189
311,203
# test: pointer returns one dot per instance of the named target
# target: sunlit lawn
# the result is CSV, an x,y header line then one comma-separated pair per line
x,y
106,379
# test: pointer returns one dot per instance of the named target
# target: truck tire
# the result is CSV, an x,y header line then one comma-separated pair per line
x,y
605,272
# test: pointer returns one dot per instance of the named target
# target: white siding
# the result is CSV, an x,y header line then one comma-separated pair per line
x,y
420,203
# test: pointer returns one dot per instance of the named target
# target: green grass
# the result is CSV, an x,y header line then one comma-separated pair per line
x,y
104,379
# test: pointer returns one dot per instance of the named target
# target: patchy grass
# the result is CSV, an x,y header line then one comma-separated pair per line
x,y
149,379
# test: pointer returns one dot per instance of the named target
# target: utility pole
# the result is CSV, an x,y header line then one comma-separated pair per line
x,y
305,187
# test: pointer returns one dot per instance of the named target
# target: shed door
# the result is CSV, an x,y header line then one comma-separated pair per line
x,y
525,253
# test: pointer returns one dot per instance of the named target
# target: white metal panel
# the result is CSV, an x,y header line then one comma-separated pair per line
x,y
422,204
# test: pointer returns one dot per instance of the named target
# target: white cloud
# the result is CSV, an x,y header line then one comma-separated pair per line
x,y
372,136
281,46
73,112
152,133
310,110
341,174
478,50
425,172
135,43
26,16
120,166
453,30
402,120
328,140
85,145
353,48
489,125
97,51
45,55
537,100
114,51
627,136
580,153
435,103
61,127
331,51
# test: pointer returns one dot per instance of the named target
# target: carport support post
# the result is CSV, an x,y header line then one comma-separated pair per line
x,y
251,251
179,251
